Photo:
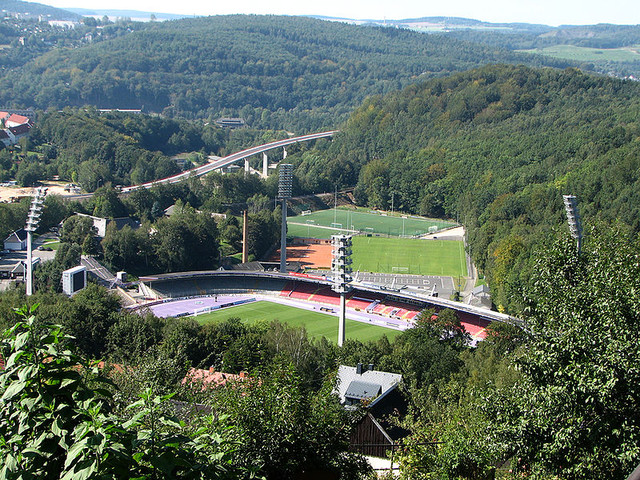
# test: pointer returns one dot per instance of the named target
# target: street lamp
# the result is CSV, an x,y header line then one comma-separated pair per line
x,y
341,269
33,218
285,187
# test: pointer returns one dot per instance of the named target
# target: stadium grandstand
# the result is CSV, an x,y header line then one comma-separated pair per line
x,y
394,309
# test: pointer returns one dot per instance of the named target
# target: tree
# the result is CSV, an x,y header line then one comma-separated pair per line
x,y
120,247
89,317
76,228
574,414
283,432
57,420
107,203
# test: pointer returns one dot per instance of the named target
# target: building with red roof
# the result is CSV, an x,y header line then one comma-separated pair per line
x,y
210,378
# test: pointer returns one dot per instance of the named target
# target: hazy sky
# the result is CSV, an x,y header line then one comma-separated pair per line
x,y
550,12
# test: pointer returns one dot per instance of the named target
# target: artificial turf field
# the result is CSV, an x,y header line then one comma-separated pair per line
x,y
409,256
359,220
317,324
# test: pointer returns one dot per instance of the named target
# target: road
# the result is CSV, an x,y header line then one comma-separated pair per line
x,y
230,159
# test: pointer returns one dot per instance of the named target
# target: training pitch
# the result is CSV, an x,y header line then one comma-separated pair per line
x,y
317,324
409,256
324,223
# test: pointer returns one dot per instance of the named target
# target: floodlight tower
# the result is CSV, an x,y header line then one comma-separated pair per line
x,y
341,268
573,218
33,218
285,186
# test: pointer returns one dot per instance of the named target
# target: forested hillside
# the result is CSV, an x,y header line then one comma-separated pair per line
x,y
285,72
496,148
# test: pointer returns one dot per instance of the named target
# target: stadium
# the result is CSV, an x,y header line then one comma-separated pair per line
x,y
200,293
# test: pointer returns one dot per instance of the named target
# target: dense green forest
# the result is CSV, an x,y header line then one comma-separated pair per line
x,y
495,148
93,149
278,72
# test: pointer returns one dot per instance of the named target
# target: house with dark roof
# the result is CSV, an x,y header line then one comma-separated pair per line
x,y
378,393
231,122
16,241
100,224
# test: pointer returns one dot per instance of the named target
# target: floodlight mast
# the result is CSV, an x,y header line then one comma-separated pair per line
x,y
341,268
573,218
33,219
285,187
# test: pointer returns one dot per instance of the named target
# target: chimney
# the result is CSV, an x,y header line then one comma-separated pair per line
x,y
211,369
242,374
359,369
245,228
371,367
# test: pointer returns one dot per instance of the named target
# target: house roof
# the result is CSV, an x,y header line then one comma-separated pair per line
x,y
17,236
121,222
359,390
209,378
3,134
480,289
20,129
353,383
19,119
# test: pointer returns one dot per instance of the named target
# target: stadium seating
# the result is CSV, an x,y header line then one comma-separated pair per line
x,y
474,325
384,305
208,285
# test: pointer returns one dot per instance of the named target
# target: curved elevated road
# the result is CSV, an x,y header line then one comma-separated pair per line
x,y
230,159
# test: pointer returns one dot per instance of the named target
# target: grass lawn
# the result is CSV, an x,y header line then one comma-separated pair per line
x,y
317,324
587,54
411,256
361,220
52,245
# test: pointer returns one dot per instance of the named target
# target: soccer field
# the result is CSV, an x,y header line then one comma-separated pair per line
x,y
342,220
409,256
317,324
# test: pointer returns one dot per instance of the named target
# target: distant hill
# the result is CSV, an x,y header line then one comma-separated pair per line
x,y
285,72
35,10
132,14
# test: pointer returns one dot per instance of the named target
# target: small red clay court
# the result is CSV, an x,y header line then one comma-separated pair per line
x,y
311,255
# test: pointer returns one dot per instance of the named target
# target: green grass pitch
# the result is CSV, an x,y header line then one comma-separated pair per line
x,y
359,220
410,256
317,324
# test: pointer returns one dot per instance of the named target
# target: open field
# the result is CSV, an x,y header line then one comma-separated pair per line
x,y
586,54
310,231
409,256
317,324
360,220
8,194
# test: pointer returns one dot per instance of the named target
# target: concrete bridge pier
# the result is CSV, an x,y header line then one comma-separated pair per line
x,y
265,165
246,166
284,152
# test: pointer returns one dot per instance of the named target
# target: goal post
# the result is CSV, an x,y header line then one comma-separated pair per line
x,y
399,269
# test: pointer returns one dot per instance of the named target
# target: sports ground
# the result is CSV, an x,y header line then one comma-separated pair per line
x,y
324,223
409,256
386,243
317,324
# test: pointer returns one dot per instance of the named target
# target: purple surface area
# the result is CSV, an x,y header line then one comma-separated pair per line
x,y
191,305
